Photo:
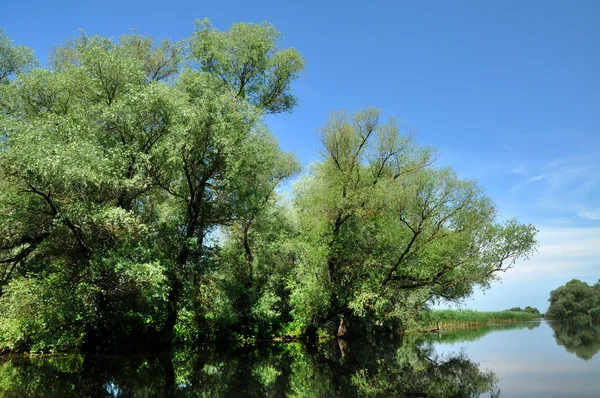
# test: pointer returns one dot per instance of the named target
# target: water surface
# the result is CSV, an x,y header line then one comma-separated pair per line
x,y
526,360
536,359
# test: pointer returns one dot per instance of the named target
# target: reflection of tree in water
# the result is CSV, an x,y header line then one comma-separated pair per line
x,y
580,338
76,377
415,369
372,368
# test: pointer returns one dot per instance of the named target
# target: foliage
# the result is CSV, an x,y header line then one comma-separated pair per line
x,y
13,59
383,233
117,163
531,310
45,313
139,203
463,334
575,299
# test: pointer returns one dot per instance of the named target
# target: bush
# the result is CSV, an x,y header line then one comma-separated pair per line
x,y
44,314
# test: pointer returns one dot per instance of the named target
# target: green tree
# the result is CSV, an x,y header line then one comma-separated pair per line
x,y
575,299
119,160
138,198
532,310
529,309
382,232
13,59
245,290
242,74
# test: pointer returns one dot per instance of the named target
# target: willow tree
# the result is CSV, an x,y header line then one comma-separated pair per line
x,y
574,300
13,58
384,232
116,163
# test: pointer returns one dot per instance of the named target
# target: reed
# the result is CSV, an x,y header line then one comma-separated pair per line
x,y
449,319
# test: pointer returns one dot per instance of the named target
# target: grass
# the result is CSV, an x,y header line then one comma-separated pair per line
x,y
463,334
449,319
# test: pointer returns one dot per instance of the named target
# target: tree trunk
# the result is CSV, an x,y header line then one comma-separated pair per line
x,y
343,346
167,364
175,283
343,331
172,311
311,334
249,254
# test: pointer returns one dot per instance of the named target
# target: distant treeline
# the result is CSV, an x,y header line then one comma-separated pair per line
x,y
575,300
528,309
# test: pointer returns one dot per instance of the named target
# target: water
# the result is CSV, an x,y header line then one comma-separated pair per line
x,y
524,360
539,359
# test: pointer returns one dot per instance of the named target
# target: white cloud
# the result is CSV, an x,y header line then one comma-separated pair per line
x,y
568,185
562,251
520,169
556,187
538,177
590,214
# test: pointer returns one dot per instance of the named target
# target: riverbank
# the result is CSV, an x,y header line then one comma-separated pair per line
x,y
454,319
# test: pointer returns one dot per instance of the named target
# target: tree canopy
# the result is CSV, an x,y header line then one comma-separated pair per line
x,y
13,59
528,309
139,201
384,232
118,161
575,299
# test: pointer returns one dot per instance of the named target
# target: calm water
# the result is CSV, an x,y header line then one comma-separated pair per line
x,y
539,359
524,360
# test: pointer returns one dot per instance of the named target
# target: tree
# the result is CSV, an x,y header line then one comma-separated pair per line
x,y
138,201
244,289
120,159
383,232
13,59
529,309
575,299
246,75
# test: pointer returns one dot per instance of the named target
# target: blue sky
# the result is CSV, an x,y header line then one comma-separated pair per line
x,y
508,91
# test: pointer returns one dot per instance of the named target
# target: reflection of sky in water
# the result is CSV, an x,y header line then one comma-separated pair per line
x,y
529,362
112,389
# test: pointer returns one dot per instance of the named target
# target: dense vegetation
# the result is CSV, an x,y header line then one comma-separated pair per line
x,y
465,318
575,299
139,203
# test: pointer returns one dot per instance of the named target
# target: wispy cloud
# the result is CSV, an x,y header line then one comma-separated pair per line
x,y
564,185
538,177
520,169
564,253
593,214
554,183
